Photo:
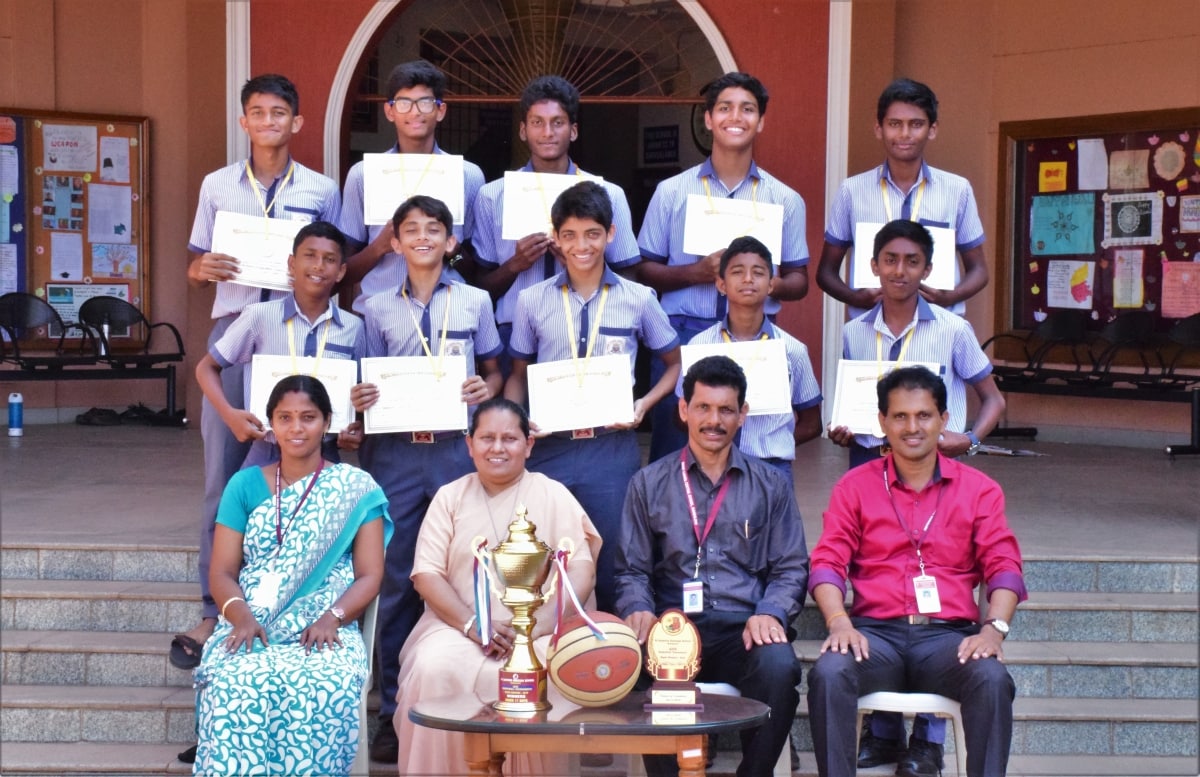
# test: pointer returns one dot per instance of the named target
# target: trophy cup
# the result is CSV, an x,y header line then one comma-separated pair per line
x,y
522,564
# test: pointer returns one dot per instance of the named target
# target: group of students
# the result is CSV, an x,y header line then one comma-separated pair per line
x,y
431,288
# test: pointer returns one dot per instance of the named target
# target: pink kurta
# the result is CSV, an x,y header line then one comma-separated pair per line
x,y
437,659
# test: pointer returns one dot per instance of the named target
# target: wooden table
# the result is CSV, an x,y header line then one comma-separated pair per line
x,y
620,728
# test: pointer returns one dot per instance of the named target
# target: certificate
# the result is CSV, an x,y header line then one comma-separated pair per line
x,y
855,401
768,390
390,179
945,256
711,224
261,245
559,401
528,198
337,375
413,396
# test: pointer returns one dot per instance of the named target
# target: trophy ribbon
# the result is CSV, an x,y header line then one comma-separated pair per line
x,y
483,590
563,585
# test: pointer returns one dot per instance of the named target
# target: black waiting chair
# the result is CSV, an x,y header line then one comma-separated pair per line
x,y
21,314
106,315
1061,329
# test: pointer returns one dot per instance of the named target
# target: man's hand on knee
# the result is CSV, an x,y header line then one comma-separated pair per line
x,y
843,638
763,630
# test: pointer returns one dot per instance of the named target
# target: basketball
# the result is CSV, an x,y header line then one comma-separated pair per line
x,y
593,672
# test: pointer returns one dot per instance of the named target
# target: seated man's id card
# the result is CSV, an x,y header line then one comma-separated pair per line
x,y
927,595
693,596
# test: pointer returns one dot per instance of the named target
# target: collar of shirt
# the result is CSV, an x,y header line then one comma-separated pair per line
x,y
291,309
885,173
923,313
395,149
572,168
444,280
706,169
737,460
249,166
767,329
896,481
607,277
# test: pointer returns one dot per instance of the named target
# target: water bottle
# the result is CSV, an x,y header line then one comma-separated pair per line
x,y
16,415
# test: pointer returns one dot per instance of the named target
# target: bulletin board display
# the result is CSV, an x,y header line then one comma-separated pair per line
x,y
1101,214
76,225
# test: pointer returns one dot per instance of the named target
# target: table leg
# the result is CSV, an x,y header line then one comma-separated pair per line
x,y
691,756
480,758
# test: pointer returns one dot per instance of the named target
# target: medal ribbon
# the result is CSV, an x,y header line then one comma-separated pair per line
x,y
899,357
592,336
887,203
320,345
258,187
691,502
441,357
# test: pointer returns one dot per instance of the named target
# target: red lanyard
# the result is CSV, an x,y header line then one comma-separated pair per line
x,y
691,501
915,541
278,499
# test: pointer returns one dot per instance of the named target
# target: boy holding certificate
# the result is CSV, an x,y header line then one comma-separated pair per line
x,y
747,275
415,94
734,108
582,328
905,186
549,123
268,185
448,325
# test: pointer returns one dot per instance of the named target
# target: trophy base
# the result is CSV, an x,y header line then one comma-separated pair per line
x,y
522,693
667,693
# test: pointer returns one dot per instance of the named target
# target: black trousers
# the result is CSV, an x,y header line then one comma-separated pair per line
x,y
768,673
905,657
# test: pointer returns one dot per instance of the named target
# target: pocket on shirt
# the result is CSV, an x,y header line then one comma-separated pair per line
x,y
748,547
296,213
614,340
932,223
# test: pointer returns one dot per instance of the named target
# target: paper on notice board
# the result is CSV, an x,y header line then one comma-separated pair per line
x,y
110,213
115,260
1129,169
1062,224
10,174
114,159
1052,176
66,256
1189,213
69,148
1092,164
1128,288
66,298
8,267
1070,284
1180,289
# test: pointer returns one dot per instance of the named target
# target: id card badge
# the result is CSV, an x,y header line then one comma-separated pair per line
x,y
693,596
267,593
927,594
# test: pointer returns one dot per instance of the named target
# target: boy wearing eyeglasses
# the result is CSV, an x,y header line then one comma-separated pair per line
x,y
415,105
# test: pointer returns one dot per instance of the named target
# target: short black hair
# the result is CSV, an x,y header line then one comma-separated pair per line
x,y
906,90
311,387
499,403
747,245
911,379
554,88
909,230
584,200
715,371
430,206
739,80
321,229
418,72
272,83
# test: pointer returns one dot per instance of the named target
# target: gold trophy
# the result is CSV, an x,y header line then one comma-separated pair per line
x,y
522,564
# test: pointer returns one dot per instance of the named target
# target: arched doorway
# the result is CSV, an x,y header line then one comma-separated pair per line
x,y
639,65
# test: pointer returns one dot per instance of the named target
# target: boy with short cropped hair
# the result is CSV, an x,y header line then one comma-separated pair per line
x,y
415,104
747,275
430,313
608,315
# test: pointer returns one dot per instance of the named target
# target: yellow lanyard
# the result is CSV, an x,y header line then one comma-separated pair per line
x,y
542,191
320,345
899,358
754,357
753,196
438,372
404,178
887,203
591,341
257,186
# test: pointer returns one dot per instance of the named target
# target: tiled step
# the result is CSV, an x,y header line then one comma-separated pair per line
x,y
131,658
106,605
172,564
1106,575
66,713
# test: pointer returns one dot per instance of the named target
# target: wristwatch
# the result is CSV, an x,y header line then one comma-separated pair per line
x,y
340,614
999,625
974,445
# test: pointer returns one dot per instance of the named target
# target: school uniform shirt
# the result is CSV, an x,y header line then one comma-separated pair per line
x,y
631,313
946,201
386,274
770,436
661,238
492,250
939,337
306,196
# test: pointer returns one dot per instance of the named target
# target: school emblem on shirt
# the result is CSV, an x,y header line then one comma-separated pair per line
x,y
614,345
456,348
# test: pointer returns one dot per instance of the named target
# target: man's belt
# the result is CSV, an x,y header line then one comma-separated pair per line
x,y
925,620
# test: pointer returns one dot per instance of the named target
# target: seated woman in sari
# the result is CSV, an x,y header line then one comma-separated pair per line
x,y
297,557
443,656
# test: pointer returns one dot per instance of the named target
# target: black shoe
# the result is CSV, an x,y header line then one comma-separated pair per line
x,y
385,748
188,756
924,759
874,751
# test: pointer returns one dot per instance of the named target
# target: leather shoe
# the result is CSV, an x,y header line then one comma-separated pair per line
x,y
924,759
875,751
386,747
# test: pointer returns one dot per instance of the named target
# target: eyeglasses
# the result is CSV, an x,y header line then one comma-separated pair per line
x,y
405,104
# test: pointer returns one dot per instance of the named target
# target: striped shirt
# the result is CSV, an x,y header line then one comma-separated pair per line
x,y
939,337
661,238
947,201
492,250
307,196
386,274
631,313
470,329
263,328
771,436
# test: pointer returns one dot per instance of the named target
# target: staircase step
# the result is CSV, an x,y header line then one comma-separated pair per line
x,y
169,563
1175,575
104,605
133,658
66,713
91,758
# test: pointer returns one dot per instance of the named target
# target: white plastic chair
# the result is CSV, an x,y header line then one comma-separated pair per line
x,y
909,704
362,759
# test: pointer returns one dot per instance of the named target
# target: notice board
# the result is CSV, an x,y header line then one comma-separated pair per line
x,y
74,210
1099,213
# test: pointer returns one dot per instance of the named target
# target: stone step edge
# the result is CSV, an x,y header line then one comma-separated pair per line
x,y
41,588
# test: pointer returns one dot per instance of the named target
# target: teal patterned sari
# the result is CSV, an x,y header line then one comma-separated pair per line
x,y
276,710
